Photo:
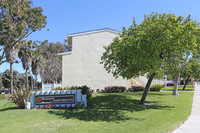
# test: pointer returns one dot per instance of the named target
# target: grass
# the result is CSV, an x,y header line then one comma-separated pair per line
x,y
2,97
180,88
109,113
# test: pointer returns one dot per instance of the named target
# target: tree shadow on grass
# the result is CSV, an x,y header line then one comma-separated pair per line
x,y
110,108
8,106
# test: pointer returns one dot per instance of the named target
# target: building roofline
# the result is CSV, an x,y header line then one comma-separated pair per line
x,y
94,31
65,53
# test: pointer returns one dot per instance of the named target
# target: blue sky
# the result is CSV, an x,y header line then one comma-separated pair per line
x,y
66,17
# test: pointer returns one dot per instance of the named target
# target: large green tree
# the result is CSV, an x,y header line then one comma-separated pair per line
x,y
160,41
17,21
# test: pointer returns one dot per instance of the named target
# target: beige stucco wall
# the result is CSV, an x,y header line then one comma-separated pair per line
x,y
83,67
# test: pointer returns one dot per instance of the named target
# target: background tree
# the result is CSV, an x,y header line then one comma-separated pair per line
x,y
186,44
19,79
51,64
11,56
6,78
17,21
160,41
30,81
22,79
1,85
196,72
26,55
51,70
68,44
191,70
36,64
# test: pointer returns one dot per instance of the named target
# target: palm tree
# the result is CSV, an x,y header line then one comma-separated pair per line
x,y
26,54
26,63
36,65
11,56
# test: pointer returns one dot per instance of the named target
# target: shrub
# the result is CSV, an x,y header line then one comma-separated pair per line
x,y
136,89
98,90
114,89
84,90
59,88
67,88
20,96
102,91
91,91
74,87
71,88
156,87
79,105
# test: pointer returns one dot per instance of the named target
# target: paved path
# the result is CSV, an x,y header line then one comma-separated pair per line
x,y
192,125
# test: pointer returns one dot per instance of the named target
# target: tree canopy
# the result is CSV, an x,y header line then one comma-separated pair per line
x,y
50,65
17,21
160,41
18,79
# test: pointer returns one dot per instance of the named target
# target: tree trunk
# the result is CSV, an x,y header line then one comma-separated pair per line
x,y
11,78
142,101
31,80
36,80
175,91
186,81
26,78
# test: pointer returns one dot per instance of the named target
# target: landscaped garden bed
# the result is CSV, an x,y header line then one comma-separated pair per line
x,y
106,112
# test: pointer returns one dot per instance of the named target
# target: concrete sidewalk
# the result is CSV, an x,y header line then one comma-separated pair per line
x,y
192,125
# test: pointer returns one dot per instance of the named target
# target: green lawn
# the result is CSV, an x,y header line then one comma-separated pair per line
x,y
109,113
180,87
2,97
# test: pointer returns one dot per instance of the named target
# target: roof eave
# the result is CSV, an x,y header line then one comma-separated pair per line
x,y
65,53
94,31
